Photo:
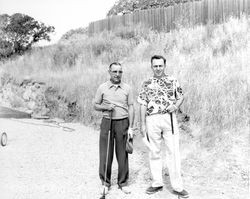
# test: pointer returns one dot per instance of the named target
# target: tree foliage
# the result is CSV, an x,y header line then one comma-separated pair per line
x,y
129,6
19,32
73,32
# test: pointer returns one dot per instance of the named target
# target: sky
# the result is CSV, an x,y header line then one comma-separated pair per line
x,y
64,15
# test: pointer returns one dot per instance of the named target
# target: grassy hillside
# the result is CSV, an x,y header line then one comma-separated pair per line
x,y
213,66
211,62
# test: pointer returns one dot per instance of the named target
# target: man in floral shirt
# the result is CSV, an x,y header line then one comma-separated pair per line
x,y
159,98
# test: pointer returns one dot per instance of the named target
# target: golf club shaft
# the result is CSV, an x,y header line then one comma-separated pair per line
x,y
107,154
172,125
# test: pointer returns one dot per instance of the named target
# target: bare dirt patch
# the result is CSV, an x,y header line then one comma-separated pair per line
x,y
43,161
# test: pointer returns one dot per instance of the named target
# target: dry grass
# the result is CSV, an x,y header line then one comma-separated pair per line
x,y
211,63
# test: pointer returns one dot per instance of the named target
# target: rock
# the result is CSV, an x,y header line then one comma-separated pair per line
x,y
31,105
26,81
27,94
34,88
26,110
33,95
16,101
44,111
29,111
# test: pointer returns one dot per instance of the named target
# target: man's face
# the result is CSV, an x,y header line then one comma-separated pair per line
x,y
158,67
115,73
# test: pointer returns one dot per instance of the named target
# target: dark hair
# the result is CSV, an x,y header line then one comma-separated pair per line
x,y
158,57
114,63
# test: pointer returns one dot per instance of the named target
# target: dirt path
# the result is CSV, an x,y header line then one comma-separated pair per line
x,y
45,162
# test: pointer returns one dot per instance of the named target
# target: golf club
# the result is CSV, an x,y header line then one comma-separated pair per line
x,y
172,126
107,155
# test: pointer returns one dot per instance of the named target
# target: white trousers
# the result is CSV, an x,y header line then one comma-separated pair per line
x,y
159,128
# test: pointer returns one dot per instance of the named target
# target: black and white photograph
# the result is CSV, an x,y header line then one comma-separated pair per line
x,y
124,99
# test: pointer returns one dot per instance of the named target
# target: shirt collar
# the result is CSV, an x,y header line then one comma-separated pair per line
x,y
163,77
110,85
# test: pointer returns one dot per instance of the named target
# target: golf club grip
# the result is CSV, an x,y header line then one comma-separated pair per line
x,y
110,121
172,125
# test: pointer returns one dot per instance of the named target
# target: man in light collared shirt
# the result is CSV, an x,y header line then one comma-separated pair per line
x,y
159,98
116,97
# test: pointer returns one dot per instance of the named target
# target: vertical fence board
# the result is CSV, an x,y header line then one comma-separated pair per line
x,y
154,19
208,12
224,10
162,19
167,13
231,7
170,21
192,12
248,7
165,28
201,13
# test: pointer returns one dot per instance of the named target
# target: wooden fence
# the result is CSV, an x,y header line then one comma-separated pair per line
x,y
192,12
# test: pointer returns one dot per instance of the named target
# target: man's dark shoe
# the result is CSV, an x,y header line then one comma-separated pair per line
x,y
152,190
183,193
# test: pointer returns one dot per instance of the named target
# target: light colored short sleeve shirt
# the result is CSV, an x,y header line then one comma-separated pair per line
x,y
120,95
158,94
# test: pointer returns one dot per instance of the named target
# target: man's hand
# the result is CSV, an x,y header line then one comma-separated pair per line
x,y
110,107
143,130
130,132
171,108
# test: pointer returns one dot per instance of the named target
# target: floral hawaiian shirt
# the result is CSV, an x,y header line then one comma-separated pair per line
x,y
158,94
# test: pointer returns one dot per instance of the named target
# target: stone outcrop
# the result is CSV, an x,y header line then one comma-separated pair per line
x,y
27,96
36,98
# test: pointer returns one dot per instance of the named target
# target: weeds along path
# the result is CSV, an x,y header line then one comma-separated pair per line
x,y
46,162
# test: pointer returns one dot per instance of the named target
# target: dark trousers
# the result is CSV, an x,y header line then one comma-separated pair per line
x,y
118,137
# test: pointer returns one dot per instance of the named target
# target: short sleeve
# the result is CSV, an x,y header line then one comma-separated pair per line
x,y
98,96
178,90
143,98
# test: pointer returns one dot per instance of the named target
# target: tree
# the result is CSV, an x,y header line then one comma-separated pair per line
x,y
21,31
129,6
74,32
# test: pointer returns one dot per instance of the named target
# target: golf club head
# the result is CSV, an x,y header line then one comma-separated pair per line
x,y
103,196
